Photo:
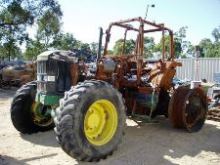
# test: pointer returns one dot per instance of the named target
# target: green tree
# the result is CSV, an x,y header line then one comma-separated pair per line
x,y
94,47
216,34
12,48
110,52
149,46
205,46
33,48
177,46
129,46
181,44
25,12
48,28
65,41
10,29
16,15
191,49
85,47
209,49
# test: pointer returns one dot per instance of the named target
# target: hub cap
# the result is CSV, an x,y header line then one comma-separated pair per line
x,y
100,123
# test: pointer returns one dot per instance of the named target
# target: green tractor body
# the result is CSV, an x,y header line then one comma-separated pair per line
x,y
53,79
53,76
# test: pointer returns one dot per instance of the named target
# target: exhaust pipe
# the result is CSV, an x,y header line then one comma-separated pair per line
x,y
100,43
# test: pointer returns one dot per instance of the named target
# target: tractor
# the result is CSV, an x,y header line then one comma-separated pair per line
x,y
89,112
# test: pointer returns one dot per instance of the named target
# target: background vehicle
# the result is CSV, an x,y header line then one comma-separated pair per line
x,y
17,73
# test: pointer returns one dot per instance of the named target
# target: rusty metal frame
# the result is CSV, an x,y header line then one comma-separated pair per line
x,y
159,76
141,31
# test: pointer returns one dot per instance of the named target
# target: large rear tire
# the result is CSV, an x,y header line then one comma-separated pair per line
x,y
188,108
22,111
90,120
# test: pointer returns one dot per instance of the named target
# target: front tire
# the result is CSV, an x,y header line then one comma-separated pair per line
x,y
90,120
22,114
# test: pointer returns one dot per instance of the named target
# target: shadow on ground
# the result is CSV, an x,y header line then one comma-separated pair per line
x,y
6,160
161,144
42,138
7,93
152,144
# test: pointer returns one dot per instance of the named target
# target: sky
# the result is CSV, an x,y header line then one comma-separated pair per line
x,y
83,18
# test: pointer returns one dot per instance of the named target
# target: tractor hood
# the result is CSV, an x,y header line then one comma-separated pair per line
x,y
58,55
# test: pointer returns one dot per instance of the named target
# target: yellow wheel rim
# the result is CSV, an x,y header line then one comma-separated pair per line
x,y
38,118
100,123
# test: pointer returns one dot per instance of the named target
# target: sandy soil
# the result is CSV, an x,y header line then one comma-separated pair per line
x,y
151,144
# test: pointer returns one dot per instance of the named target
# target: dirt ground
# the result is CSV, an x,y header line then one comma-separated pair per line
x,y
150,144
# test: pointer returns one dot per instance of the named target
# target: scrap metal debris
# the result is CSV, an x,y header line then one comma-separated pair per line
x,y
214,114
